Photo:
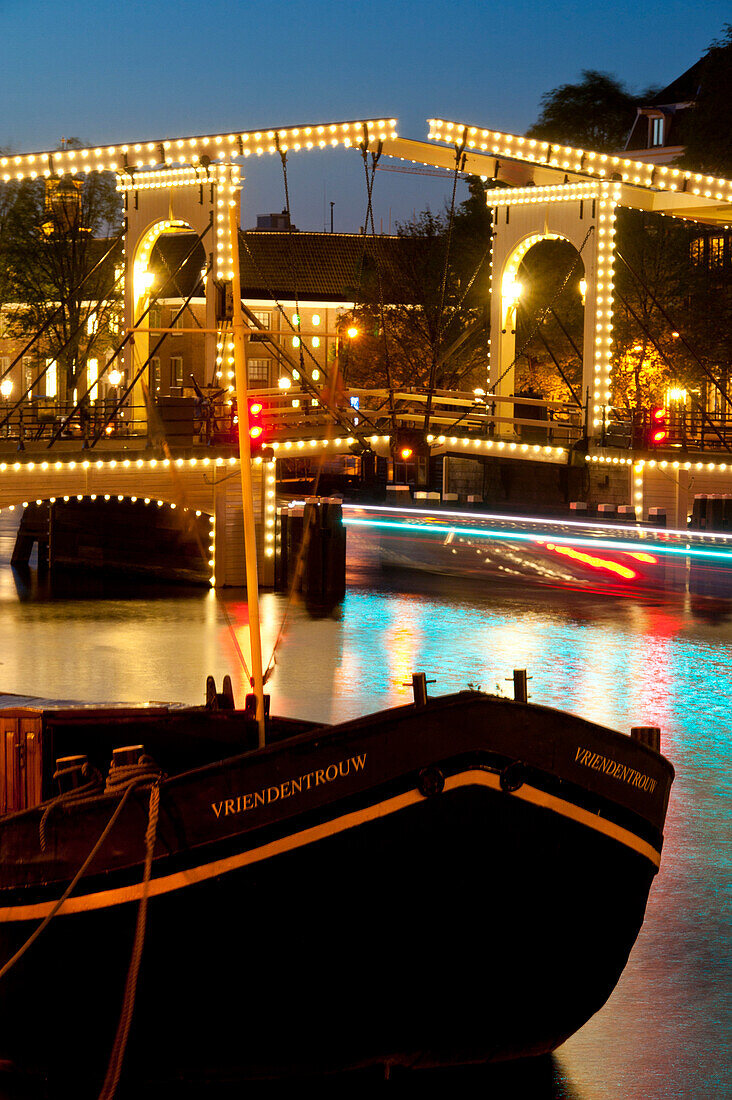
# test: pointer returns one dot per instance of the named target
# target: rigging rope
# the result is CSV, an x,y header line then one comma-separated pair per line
x,y
459,157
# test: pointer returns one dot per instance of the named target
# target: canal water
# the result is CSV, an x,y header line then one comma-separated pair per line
x,y
665,1032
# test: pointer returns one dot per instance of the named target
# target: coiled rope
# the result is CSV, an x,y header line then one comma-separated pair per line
x,y
78,794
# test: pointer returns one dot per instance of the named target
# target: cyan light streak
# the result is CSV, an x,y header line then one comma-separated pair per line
x,y
537,537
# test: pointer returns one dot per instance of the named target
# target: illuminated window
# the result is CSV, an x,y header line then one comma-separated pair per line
x,y
51,378
657,131
155,373
92,376
263,316
91,323
716,251
697,250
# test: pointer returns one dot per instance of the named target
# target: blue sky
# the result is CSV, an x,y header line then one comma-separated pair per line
x,y
112,72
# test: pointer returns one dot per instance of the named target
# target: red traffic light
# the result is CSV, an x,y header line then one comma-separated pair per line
x,y
256,426
659,430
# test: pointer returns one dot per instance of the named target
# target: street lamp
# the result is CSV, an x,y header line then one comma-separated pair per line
x,y
511,290
6,388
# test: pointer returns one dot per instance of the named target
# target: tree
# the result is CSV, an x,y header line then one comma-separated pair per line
x,y
410,330
52,235
597,113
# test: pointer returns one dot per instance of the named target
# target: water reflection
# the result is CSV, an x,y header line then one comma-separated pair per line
x,y
664,1032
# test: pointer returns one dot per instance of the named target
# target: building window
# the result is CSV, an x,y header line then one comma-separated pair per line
x,y
28,376
258,372
154,318
176,323
716,251
697,250
263,316
92,378
155,372
176,370
657,131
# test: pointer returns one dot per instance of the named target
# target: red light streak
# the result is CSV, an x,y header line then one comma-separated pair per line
x,y
594,562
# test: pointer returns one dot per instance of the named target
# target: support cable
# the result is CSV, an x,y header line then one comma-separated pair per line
x,y
337,415
121,400
382,313
646,332
459,163
128,336
684,341
48,366
49,321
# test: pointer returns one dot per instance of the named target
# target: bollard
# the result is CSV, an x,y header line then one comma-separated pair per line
x,y
627,513
607,512
399,496
281,568
324,573
295,514
647,735
657,517
520,685
419,687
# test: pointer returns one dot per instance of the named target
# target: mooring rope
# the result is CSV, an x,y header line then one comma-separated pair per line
x,y
71,887
114,1069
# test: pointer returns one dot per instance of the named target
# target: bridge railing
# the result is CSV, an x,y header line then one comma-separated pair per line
x,y
291,413
685,430
37,421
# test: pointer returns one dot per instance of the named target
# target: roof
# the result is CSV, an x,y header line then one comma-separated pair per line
x,y
321,266
308,266
684,89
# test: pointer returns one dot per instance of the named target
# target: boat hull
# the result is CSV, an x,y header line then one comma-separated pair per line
x,y
462,908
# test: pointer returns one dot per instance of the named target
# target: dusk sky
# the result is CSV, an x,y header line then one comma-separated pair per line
x,y
111,72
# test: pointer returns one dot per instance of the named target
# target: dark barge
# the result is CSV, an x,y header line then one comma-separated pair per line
x,y
454,881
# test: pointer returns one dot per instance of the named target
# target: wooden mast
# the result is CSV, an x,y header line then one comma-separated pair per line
x,y
245,455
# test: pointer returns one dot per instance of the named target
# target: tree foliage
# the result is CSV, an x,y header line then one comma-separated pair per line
x,y
595,113
51,236
427,332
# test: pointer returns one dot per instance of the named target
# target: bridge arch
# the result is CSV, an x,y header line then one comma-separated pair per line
x,y
512,289
174,200
584,215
